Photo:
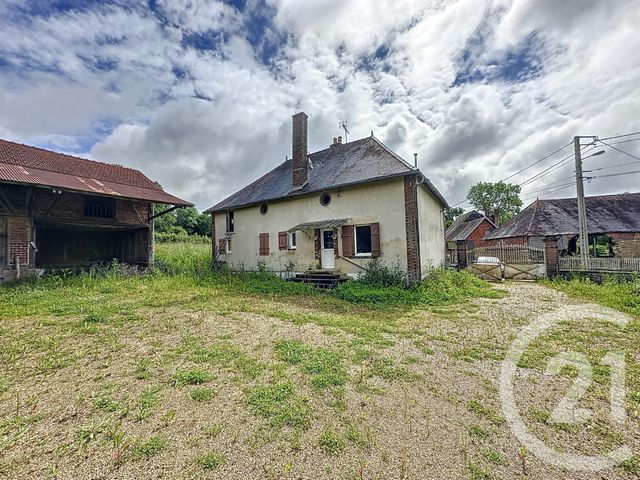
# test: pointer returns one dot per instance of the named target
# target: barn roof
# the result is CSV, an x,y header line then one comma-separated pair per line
x,y
35,166
605,214
341,165
464,225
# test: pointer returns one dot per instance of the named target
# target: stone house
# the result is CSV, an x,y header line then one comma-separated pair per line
x,y
613,223
60,211
333,210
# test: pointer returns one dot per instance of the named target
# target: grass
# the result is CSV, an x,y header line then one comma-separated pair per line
x,y
210,461
190,377
151,447
280,405
331,442
203,394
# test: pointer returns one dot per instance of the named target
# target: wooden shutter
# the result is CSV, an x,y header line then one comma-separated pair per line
x,y
347,241
317,245
222,246
375,239
283,240
264,244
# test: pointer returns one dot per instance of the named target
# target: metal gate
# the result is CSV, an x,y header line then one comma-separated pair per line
x,y
506,262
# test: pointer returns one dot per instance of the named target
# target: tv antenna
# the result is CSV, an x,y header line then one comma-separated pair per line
x,y
343,126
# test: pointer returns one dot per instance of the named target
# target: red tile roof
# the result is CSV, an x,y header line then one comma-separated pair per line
x,y
35,166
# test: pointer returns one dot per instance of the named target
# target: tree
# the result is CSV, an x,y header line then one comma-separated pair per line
x,y
164,223
450,214
487,196
187,218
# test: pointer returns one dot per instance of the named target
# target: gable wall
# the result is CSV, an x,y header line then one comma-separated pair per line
x,y
381,202
431,226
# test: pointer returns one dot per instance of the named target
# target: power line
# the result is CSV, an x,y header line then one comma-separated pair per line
x,y
613,175
621,136
551,185
612,166
619,150
554,167
625,141
551,192
536,162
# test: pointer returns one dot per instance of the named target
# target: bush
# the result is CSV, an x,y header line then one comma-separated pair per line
x,y
379,275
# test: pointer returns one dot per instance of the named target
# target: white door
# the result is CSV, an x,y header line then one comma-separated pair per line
x,y
327,257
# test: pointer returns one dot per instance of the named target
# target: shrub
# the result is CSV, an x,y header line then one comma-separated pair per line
x,y
380,275
210,461
331,442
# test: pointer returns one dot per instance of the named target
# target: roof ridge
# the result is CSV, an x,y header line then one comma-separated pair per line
x,y
392,153
533,215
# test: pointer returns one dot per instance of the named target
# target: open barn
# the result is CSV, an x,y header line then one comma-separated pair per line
x,y
60,211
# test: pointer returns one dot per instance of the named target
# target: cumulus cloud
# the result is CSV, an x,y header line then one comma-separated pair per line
x,y
199,94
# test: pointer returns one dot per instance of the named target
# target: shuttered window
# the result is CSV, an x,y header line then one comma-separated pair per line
x,y
222,246
264,244
366,240
375,239
347,241
283,239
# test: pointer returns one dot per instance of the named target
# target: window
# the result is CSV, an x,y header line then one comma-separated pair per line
x,y
325,199
363,240
264,208
292,241
99,207
327,239
230,222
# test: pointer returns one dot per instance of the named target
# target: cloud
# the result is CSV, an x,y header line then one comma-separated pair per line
x,y
199,94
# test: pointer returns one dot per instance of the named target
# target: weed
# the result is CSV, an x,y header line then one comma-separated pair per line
x,y
210,461
203,394
280,405
142,369
214,430
190,377
476,472
484,411
148,400
151,447
331,442
479,432
493,456
632,465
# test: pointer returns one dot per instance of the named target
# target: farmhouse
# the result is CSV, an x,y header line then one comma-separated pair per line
x,y
470,228
613,223
62,211
334,210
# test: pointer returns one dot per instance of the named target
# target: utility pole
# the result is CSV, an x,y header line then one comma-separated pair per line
x,y
582,206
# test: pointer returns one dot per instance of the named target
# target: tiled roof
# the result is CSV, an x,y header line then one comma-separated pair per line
x,y
464,225
605,214
35,166
352,163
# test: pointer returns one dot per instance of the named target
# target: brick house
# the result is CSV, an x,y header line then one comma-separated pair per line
x,y
613,223
62,211
470,228
333,210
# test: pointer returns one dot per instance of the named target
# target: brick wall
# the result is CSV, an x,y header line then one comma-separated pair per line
x,y
507,241
626,244
18,238
131,211
477,236
411,225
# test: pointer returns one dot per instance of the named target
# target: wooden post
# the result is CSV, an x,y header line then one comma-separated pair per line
x,y
551,256
151,235
461,246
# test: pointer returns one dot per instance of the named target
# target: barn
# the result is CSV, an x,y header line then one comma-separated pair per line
x,y
61,211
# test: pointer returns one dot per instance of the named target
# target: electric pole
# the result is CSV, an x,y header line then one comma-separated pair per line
x,y
582,206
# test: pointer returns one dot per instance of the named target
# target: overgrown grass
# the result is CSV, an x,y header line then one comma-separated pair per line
x,y
613,292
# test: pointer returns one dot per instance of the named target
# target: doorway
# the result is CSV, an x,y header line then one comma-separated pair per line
x,y
327,258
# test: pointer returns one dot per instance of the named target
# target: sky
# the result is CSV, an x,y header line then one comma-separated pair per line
x,y
199,94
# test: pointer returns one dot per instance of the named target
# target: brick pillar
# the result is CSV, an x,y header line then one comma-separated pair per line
x,y
19,236
551,256
461,249
412,229
300,164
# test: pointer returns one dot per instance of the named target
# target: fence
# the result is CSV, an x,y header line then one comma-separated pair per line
x,y
516,254
600,265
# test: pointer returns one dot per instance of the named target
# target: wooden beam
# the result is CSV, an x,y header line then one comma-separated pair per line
x,y
159,214
52,205
6,202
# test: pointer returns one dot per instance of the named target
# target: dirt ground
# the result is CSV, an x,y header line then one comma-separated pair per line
x,y
280,390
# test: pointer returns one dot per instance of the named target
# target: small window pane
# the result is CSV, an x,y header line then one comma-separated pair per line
x,y
363,240
292,240
328,239
230,222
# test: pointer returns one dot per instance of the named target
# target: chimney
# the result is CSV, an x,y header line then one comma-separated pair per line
x,y
335,141
496,216
339,139
300,168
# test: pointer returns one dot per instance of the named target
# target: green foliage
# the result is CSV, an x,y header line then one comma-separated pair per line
x,y
615,292
380,275
450,214
280,405
486,196
203,394
325,366
186,220
151,447
190,377
331,442
210,461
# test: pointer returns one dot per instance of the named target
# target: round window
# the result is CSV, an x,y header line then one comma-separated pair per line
x,y
325,199
264,208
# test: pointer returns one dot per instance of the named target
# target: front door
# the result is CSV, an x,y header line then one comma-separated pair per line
x,y
328,258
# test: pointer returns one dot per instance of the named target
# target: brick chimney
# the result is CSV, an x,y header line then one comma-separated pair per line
x,y
496,216
300,169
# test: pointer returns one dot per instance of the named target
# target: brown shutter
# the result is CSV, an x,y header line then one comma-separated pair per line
x,y
316,234
347,241
264,244
283,240
335,243
375,239
222,246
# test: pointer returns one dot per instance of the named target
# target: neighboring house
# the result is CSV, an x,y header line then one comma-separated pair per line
x,y
62,211
335,209
613,223
470,227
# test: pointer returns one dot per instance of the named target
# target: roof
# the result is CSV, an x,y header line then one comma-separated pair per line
x,y
341,165
35,166
320,224
464,225
605,214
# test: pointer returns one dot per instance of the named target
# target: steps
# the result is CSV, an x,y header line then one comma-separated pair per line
x,y
320,278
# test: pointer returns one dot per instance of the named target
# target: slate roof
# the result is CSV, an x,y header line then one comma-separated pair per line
x,y
352,163
464,225
35,166
605,214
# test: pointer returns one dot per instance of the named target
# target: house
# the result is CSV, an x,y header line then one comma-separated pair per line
x,y
470,227
335,209
613,223
62,211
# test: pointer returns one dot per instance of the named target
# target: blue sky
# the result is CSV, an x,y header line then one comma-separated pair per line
x,y
199,94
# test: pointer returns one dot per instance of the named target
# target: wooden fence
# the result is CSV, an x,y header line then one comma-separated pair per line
x,y
601,264
518,254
